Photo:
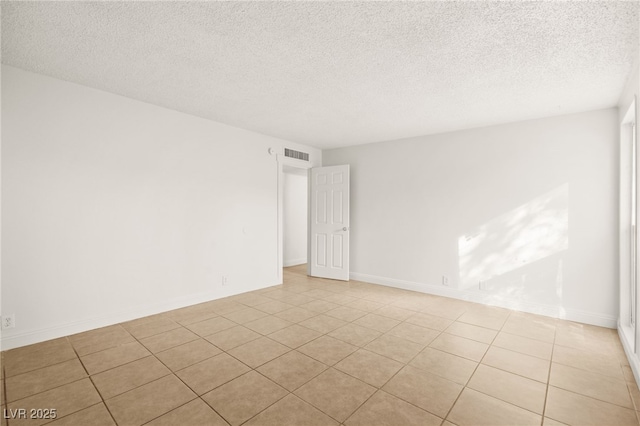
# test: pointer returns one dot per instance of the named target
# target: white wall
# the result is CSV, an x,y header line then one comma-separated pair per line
x,y
114,209
295,218
527,208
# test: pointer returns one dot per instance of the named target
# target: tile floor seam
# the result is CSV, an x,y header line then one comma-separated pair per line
x,y
98,390
117,366
75,412
595,373
160,332
502,400
511,372
198,322
273,403
474,372
520,375
397,372
408,402
88,376
41,368
173,409
592,397
80,360
470,377
133,388
389,358
577,393
138,339
58,387
101,397
469,338
198,362
173,347
138,387
357,378
225,351
529,337
320,409
216,387
104,349
546,393
187,366
258,366
328,367
318,337
301,325
364,402
424,326
46,390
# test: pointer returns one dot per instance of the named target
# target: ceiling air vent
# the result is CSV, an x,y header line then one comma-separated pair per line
x,y
296,154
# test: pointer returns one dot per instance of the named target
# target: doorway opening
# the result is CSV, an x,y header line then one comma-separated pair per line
x,y
293,214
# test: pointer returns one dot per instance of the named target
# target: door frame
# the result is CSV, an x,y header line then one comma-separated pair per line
x,y
628,245
283,161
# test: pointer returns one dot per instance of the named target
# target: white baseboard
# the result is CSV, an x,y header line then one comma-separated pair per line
x,y
294,262
16,340
487,299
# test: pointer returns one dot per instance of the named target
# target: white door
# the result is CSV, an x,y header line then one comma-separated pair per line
x,y
329,222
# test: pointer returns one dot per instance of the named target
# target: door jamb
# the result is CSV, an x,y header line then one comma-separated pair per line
x,y
299,164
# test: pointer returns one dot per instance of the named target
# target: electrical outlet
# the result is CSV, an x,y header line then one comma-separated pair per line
x,y
9,321
445,280
225,280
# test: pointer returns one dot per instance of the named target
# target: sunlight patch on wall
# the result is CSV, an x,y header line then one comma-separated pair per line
x,y
515,255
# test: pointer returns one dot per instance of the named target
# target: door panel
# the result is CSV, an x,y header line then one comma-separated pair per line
x,y
329,222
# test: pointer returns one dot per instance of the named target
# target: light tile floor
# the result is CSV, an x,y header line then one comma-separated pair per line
x,y
321,352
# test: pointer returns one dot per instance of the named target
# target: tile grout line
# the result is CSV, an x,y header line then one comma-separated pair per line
x,y
546,394
92,384
326,369
151,354
46,390
475,369
173,409
270,405
171,372
396,373
258,366
243,374
36,369
605,376
200,337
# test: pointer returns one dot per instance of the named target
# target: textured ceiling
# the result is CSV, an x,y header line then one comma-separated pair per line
x,y
332,74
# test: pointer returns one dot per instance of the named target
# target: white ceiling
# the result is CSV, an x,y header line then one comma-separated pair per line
x,y
331,74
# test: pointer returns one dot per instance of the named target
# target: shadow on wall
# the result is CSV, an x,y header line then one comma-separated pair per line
x,y
518,256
